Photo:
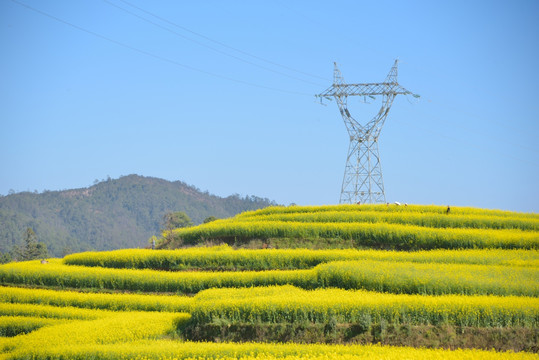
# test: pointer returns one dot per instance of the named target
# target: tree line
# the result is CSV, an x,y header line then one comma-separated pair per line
x,y
31,249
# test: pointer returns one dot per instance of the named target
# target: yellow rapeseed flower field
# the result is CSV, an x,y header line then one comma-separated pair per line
x,y
391,227
289,304
106,301
174,350
393,276
478,268
227,258
394,236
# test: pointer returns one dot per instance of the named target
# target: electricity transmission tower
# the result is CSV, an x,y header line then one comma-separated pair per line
x,y
362,180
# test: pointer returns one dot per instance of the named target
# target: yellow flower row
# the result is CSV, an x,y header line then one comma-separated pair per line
x,y
124,335
422,209
436,220
119,328
58,275
289,304
175,350
429,278
226,258
392,276
385,235
51,312
277,304
15,325
104,301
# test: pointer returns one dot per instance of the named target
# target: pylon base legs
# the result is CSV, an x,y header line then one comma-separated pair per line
x,y
363,182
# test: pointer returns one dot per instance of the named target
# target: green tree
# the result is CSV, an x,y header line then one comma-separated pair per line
x,y
32,249
209,219
5,258
174,220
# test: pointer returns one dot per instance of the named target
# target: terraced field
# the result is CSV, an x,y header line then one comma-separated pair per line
x,y
456,285
370,226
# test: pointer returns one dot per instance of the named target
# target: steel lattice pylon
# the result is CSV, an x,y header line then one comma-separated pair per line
x,y
363,182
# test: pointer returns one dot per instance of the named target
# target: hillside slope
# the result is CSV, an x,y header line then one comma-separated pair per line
x,y
112,214
413,227
472,286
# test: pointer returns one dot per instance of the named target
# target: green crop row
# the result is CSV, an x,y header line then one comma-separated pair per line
x,y
226,258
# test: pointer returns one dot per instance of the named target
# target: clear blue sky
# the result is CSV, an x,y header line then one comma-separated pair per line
x,y
219,94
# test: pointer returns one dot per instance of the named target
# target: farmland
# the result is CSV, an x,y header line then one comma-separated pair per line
x,y
393,282
371,226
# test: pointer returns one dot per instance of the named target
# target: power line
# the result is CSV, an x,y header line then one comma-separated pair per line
x,y
207,46
383,53
222,44
158,57
491,121
466,142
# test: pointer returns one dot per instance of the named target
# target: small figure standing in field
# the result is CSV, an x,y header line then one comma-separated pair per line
x,y
359,202
448,209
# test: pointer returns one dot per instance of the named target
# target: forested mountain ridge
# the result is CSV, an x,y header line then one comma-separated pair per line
x,y
112,214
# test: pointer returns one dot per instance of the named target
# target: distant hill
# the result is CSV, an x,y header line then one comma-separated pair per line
x,y
112,214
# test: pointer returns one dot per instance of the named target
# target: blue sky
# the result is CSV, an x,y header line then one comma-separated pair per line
x,y
220,95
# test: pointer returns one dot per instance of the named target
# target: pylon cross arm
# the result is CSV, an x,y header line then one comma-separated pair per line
x,y
373,89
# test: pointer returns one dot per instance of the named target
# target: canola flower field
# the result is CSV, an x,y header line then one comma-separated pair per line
x,y
374,226
220,258
138,304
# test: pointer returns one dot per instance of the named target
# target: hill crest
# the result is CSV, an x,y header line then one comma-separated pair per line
x,y
111,214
